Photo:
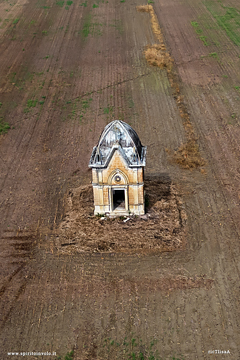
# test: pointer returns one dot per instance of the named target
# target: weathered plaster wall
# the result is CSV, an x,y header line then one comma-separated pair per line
x,y
131,181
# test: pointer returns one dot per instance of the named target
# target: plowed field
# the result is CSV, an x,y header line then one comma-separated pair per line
x,y
67,68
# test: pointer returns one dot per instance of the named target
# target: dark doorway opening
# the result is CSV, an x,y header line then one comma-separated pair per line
x,y
118,200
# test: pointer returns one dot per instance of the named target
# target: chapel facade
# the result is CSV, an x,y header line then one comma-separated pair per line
x,y
117,164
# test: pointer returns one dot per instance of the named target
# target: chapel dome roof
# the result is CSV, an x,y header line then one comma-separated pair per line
x,y
118,134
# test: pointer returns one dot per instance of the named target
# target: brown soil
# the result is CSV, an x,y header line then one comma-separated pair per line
x,y
162,228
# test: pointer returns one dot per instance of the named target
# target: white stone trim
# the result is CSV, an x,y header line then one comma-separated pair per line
x,y
110,191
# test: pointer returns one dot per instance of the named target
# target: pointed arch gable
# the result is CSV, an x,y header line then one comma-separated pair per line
x,y
118,172
117,159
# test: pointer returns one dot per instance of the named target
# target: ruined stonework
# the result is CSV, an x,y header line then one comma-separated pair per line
x,y
117,164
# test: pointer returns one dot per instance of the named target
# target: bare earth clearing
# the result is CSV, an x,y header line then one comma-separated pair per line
x,y
163,225
67,68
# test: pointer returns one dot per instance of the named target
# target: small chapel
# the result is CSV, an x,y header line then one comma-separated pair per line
x,y
117,164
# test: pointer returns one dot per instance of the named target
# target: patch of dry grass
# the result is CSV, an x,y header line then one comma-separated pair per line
x,y
154,21
143,8
156,55
188,155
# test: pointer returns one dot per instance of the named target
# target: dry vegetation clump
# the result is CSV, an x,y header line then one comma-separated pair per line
x,y
156,55
188,155
162,228
154,21
144,8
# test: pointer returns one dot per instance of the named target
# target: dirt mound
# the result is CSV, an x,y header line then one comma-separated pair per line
x,y
162,228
